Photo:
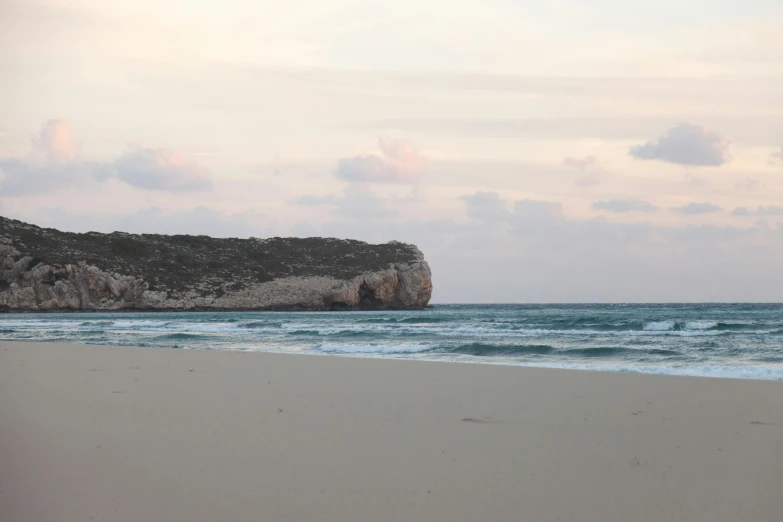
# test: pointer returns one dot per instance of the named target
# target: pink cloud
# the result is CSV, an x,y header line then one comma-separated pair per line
x,y
160,169
54,143
401,163
53,163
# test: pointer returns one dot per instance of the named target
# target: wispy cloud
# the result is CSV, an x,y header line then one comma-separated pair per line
x,y
309,200
770,210
692,209
621,206
588,162
776,157
762,211
749,184
358,201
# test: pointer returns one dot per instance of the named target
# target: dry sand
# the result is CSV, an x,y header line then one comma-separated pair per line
x,y
143,434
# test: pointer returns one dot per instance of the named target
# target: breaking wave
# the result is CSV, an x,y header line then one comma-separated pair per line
x,y
715,340
489,350
373,348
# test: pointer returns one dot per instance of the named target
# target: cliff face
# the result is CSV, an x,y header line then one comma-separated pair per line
x,y
48,270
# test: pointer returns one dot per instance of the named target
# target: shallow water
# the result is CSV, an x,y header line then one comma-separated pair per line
x,y
726,340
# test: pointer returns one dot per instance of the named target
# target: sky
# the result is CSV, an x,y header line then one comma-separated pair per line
x,y
538,151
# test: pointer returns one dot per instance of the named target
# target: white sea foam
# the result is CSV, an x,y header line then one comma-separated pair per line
x,y
773,373
659,326
678,333
140,323
332,329
373,348
39,324
770,372
700,325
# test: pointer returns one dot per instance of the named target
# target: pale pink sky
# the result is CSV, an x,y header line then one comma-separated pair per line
x,y
535,151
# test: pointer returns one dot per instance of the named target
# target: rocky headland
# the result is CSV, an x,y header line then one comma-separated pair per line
x,y
43,269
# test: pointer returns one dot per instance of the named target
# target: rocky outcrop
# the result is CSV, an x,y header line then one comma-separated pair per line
x,y
48,270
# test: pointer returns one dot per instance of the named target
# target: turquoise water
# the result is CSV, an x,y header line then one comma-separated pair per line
x,y
732,340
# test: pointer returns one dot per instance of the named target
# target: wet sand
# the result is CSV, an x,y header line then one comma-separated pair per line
x,y
145,434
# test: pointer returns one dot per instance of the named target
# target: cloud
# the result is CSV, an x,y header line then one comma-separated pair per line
x,y
366,168
20,177
685,144
692,209
357,202
53,163
776,157
361,203
329,199
588,162
589,165
486,206
158,169
531,210
620,206
400,163
537,218
54,143
764,211
748,184
489,207
586,181
770,210
695,181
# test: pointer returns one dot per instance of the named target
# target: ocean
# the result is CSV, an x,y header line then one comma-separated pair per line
x,y
716,340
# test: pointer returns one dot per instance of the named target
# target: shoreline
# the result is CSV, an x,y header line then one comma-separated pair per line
x,y
718,372
124,433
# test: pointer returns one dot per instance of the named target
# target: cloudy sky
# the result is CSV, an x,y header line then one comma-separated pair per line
x,y
539,151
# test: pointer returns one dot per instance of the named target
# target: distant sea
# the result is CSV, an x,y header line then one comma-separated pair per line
x,y
717,340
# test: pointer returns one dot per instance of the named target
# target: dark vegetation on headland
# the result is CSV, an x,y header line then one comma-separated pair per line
x,y
197,265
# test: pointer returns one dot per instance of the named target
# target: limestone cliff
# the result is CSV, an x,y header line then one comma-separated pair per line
x,y
48,270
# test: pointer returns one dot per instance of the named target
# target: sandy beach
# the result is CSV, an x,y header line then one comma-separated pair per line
x,y
148,434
